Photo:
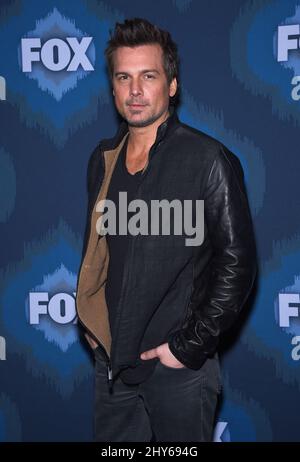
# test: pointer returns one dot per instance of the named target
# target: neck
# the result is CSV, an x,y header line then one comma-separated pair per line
x,y
142,138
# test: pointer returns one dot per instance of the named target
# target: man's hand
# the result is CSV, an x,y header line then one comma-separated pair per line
x,y
164,354
91,342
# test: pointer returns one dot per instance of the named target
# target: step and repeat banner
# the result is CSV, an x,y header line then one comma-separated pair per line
x,y
240,83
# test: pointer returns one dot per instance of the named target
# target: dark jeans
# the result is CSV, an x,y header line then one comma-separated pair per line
x,y
172,405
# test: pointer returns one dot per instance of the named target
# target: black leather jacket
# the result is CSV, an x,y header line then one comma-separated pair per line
x,y
184,295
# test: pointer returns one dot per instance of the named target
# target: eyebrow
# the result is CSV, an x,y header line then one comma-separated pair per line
x,y
141,72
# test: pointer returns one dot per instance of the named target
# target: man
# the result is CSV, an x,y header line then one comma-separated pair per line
x,y
153,307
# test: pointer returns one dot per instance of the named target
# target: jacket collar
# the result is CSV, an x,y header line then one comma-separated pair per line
x,y
163,130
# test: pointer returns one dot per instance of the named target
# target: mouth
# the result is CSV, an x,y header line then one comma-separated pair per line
x,y
136,105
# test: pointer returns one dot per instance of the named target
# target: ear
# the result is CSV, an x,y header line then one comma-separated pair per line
x,y
173,87
114,92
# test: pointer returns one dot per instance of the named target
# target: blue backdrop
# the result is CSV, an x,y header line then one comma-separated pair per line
x,y
234,86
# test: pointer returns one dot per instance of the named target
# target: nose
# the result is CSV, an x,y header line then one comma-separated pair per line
x,y
135,87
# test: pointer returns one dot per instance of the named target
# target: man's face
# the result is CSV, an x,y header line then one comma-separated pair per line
x,y
140,84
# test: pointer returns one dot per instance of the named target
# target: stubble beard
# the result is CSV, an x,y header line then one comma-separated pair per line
x,y
148,121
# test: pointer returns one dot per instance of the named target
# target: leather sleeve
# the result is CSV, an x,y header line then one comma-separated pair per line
x,y
92,179
233,266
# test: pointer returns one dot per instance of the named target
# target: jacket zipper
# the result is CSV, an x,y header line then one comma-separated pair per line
x,y
108,361
109,368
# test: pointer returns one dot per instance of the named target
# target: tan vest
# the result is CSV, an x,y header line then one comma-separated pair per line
x,y
90,297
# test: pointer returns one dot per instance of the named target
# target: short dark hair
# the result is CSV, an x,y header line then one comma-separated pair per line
x,y
138,31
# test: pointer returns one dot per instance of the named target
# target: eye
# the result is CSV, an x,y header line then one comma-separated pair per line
x,y
149,76
122,77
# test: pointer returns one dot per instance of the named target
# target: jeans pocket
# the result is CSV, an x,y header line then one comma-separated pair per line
x,y
173,368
